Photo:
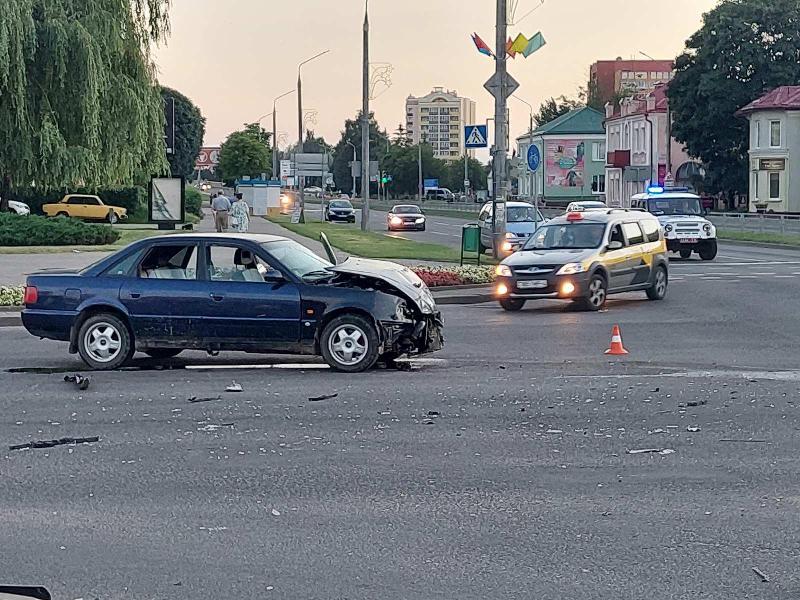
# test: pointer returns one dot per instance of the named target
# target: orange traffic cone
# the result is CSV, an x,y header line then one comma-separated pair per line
x,y
616,349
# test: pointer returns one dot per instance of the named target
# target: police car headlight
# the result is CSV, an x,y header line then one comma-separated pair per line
x,y
707,228
571,269
420,220
667,228
503,271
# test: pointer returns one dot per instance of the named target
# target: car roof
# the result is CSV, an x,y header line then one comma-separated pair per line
x,y
666,195
606,216
513,204
258,238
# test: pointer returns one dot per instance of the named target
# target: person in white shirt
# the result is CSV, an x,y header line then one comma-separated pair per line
x,y
221,207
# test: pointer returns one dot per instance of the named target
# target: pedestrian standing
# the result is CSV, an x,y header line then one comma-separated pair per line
x,y
240,214
221,207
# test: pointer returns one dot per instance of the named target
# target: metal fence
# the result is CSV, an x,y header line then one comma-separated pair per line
x,y
757,223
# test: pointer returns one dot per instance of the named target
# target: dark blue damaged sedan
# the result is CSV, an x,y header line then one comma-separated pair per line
x,y
218,292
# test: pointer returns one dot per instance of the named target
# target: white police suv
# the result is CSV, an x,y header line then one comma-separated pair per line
x,y
680,213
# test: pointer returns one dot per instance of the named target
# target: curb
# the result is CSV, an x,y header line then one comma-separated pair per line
x,y
464,300
10,320
773,245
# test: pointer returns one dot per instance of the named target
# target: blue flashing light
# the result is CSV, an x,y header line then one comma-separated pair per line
x,y
655,189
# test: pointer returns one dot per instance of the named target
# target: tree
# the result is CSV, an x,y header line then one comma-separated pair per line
x,y
244,154
190,127
553,108
343,153
80,101
744,49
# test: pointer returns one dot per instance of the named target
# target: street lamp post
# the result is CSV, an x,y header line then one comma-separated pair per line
x,y
353,166
300,127
365,122
275,174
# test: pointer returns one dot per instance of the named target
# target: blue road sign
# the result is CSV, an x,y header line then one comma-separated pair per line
x,y
534,158
476,136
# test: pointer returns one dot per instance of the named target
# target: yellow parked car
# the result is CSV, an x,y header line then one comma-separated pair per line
x,y
89,208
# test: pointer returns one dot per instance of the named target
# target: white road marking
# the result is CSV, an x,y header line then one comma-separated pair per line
x,y
763,273
299,366
738,264
447,234
784,276
768,375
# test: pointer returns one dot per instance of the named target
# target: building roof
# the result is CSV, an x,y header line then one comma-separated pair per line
x,y
577,121
786,97
637,105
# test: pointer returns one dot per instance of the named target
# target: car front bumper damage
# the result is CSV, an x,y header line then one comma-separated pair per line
x,y
420,336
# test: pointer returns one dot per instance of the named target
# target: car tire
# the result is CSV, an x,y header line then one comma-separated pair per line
x,y
660,282
163,353
112,217
104,342
708,251
351,335
512,304
685,253
596,295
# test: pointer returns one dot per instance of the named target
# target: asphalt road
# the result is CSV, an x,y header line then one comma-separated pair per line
x,y
500,469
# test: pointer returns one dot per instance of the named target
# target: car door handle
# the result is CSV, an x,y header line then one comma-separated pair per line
x,y
216,297
135,295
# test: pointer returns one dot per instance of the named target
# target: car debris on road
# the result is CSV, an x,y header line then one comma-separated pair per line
x,y
323,397
79,380
52,443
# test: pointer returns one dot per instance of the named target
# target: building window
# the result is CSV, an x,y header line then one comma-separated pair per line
x,y
598,151
774,186
755,185
775,134
758,134
598,184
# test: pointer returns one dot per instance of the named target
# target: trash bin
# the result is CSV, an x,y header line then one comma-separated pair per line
x,y
471,240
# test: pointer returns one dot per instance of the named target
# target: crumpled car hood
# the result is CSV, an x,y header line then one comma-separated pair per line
x,y
403,278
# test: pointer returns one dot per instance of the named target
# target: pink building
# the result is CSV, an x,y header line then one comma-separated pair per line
x,y
640,149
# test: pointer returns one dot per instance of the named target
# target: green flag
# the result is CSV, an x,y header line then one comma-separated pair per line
x,y
536,42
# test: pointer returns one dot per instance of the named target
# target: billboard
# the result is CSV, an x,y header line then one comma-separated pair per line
x,y
166,202
208,158
565,162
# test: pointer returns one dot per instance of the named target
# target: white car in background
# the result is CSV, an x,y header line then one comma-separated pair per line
x,y
585,206
19,208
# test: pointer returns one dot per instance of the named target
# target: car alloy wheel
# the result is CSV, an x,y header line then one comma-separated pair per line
x,y
596,295
102,342
348,345
659,289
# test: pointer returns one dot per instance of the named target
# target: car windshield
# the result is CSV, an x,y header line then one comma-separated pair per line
x,y
675,206
569,236
522,214
298,259
340,204
406,209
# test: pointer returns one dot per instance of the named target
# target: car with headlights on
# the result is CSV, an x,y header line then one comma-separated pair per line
x,y
339,210
405,217
585,205
584,257
682,216
242,292
521,221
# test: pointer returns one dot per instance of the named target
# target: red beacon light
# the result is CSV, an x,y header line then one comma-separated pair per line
x,y
575,216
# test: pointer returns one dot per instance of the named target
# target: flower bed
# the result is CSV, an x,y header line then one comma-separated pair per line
x,y
463,275
11,296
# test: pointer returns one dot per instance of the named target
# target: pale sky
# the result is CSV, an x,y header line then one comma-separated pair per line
x,y
232,57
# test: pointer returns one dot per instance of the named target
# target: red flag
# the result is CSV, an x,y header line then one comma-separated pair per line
x,y
510,48
481,45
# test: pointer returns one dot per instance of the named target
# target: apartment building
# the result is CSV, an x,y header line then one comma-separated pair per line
x,y
439,119
611,78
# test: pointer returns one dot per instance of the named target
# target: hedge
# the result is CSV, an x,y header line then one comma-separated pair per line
x,y
194,202
11,296
130,198
456,275
32,230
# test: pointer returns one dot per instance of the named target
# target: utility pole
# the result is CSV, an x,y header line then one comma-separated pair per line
x,y
365,123
500,130
419,169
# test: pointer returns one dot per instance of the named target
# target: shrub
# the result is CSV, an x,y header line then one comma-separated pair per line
x,y
462,275
32,230
194,202
11,296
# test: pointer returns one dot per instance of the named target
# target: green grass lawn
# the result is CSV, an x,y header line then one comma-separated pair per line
x,y
127,235
368,244
751,236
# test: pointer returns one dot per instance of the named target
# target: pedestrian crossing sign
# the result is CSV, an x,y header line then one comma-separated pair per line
x,y
475,136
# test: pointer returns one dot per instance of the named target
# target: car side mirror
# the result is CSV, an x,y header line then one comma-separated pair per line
x,y
273,276
614,245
